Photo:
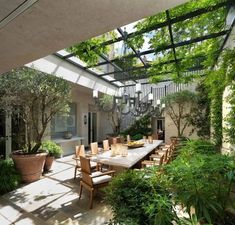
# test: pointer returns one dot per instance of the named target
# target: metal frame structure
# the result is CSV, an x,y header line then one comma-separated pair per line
x,y
173,45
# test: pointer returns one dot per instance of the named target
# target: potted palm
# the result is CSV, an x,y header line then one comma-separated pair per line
x,y
34,97
53,151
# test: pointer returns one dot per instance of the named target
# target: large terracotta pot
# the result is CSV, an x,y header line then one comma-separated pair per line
x,y
30,166
48,162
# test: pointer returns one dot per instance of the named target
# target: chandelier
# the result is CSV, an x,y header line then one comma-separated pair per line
x,y
124,103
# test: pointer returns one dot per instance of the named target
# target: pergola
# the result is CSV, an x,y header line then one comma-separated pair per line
x,y
172,51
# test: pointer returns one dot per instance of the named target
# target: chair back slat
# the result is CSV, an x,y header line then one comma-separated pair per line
x,y
85,165
161,160
106,145
80,151
94,148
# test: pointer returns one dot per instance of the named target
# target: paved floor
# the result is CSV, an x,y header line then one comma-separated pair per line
x,y
53,200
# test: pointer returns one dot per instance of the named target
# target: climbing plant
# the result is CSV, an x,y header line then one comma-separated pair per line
x,y
228,67
216,82
200,117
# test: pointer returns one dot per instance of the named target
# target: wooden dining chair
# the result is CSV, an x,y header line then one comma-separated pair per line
x,y
159,154
94,148
150,163
80,151
92,181
106,146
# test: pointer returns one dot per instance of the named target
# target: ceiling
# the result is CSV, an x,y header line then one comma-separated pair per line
x,y
48,26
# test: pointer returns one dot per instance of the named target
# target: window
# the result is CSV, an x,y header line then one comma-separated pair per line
x,y
62,123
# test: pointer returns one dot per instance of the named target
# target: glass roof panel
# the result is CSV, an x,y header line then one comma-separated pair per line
x,y
119,50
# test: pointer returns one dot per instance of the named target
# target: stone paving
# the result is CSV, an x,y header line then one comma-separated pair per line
x,y
53,200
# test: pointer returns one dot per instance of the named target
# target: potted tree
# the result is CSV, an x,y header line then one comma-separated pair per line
x,y
53,151
35,97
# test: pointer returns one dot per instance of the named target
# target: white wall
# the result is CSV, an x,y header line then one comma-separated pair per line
x,y
83,100
171,130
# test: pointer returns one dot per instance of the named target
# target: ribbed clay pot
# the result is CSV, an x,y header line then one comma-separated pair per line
x,y
30,166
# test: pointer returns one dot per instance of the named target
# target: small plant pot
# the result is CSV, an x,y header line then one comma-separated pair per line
x,y
48,163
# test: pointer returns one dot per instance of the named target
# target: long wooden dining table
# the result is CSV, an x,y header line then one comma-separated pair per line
x,y
133,156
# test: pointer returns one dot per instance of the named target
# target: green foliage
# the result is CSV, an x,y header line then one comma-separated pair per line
x,y
137,199
179,106
228,68
201,179
35,97
140,127
89,50
200,117
137,137
126,194
198,178
9,177
200,55
52,148
216,81
198,146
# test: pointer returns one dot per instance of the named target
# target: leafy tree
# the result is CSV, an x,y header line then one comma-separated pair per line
x,y
114,115
179,107
35,97
200,117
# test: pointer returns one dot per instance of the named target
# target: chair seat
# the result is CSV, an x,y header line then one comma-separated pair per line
x,y
100,179
93,164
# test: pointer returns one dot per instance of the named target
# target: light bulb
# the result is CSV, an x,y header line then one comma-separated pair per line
x,y
138,87
150,96
95,94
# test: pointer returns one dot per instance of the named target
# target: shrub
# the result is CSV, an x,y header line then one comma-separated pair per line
x,y
141,126
9,177
52,148
137,137
198,178
202,181
137,198
198,146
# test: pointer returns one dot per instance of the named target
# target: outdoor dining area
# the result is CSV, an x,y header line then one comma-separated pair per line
x,y
115,158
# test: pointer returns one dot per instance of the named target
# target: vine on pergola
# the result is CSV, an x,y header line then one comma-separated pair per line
x,y
179,45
